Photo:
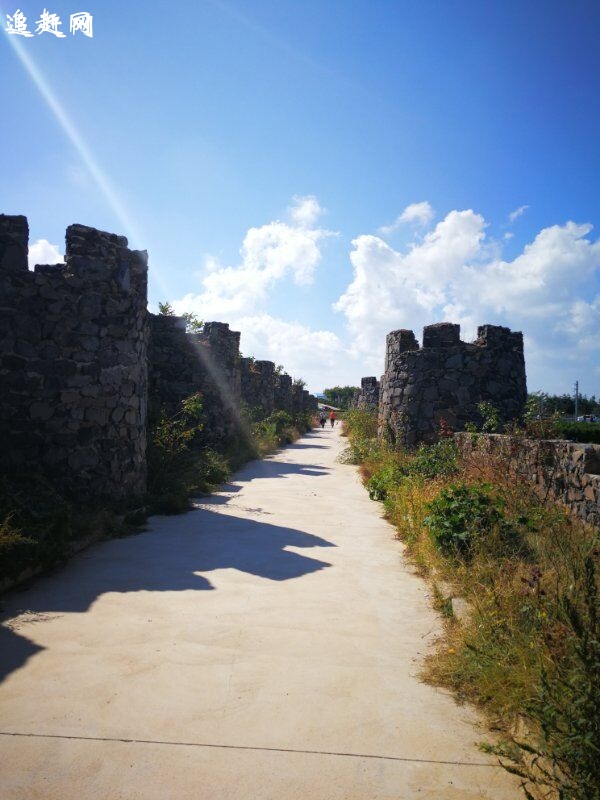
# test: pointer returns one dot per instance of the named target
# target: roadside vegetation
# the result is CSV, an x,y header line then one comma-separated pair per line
x,y
179,466
527,649
40,527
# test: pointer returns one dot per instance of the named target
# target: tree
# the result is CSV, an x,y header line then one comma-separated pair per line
x,y
193,324
340,395
548,404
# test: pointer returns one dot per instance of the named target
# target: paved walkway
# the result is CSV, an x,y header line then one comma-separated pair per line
x,y
262,646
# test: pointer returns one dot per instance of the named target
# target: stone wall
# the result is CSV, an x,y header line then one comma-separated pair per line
x,y
182,364
209,362
258,385
446,378
297,398
566,472
73,363
81,359
367,397
283,393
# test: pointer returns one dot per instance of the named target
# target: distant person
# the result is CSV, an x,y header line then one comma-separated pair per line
x,y
322,419
332,418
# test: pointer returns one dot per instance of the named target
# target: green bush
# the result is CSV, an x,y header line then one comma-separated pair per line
x,y
360,426
177,465
429,461
587,432
490,417
304,421
381,483
435,460
460,516
360,423
212,469
281,420
17,551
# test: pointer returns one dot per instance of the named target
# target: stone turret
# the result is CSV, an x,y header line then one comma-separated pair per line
x,y
446,379
368,396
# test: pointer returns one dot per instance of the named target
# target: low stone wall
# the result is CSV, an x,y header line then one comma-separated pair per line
x,y
567,472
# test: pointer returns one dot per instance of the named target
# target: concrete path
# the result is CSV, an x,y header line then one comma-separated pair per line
x,y
262,646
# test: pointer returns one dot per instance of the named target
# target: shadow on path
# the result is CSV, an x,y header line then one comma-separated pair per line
x,y
269,468
167,558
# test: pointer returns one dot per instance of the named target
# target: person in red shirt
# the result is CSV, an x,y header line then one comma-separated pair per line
x,y
332,418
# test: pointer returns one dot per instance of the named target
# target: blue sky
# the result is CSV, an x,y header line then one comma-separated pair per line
x,y
318,173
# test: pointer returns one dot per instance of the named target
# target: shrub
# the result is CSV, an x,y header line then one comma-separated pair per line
x,y
384,480
360,426
212,469
587,432
461,515
360,423
38,524
281,420
17,551
490,416
177,465
435,460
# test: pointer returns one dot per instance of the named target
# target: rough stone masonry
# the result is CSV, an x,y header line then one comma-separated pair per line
x,y
367,397
73,363
446,379
81,359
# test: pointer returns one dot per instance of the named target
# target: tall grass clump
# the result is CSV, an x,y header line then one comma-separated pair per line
x,y
360,427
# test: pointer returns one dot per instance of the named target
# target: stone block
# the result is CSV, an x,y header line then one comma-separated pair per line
x,y
41,411
442,334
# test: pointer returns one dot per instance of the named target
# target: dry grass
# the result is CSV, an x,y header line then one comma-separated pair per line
x,y
527,655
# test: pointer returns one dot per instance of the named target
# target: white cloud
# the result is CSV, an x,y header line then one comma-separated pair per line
x,y
269,254
518,212
238,294
317,356
391,290
415,214
43,252
453,274
306,211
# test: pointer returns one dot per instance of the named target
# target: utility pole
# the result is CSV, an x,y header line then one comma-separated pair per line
x,y
576,400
